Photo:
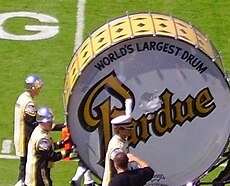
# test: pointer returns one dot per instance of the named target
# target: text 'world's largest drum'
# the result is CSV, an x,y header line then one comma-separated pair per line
x,y
176,80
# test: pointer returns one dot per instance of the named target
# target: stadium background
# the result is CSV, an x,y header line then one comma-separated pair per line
x,y
50,57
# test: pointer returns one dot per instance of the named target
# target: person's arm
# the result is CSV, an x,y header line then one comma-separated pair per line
x,y
44,149
58,127
139,161
60,144
145,172
30,114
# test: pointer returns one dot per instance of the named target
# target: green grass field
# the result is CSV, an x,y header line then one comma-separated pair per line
x,y
50,57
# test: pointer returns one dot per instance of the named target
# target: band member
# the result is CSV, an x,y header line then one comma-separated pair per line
x,y
24,120
122,127
126,177
82,171
41,151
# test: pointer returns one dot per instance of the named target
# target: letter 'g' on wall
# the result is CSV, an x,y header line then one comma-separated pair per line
x,y
39,31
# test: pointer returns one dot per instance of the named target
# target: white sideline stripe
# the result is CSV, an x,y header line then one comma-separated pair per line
x,y
80,23
7,156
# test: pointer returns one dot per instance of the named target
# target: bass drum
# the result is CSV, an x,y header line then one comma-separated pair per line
x,y
178,86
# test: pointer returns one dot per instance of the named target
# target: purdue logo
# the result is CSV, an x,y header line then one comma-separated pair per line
x,y
177,86
162,120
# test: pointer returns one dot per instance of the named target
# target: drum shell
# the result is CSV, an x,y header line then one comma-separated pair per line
x,y
186,151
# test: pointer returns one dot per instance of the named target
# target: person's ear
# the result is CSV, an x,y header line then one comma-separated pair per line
x,y
115,165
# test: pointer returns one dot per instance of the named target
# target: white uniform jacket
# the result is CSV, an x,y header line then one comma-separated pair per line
x,y
115,143
21,107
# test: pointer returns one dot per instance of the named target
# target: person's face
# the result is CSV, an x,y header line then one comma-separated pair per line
x,y
47,126
36,91
125,132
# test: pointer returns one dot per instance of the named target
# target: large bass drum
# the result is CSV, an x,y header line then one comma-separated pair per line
x,y
178,85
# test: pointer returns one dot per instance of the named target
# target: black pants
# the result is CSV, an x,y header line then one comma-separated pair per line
x,y
22,169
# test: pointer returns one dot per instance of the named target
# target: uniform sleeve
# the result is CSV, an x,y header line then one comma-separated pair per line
x,y
58,127
45,150
30,113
